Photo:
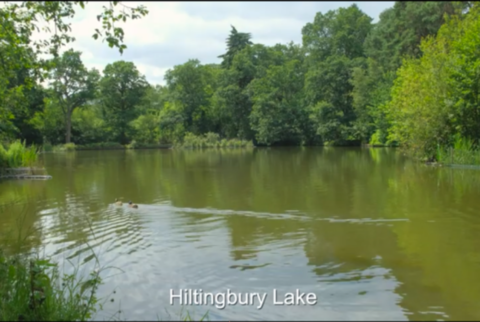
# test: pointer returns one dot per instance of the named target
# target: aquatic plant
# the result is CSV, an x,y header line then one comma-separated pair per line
x,y
17,154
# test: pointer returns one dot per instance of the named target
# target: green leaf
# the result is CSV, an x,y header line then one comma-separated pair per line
x,y
11,272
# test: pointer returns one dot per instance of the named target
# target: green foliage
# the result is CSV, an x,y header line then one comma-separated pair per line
x,y
277,115
99,146
189,85
34,290
401,28
340,32
327,91
19,52
235,43
73,85
211,140
419,110
334,42
3,157
436,97
69,147
88,126
465,72
395,82
17,154
397,35
171,122
232,100
146,128
122,88
463,152
50,123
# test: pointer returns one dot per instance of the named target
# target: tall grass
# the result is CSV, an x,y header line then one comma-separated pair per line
x,y
187,317
17,154
32,289
463,152
211,140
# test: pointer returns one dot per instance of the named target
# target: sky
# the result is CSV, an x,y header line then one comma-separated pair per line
x,y
174,32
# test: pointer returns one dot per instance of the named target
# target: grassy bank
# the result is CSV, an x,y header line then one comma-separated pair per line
x,y
211,140
32,289
463,152
208,140
17,154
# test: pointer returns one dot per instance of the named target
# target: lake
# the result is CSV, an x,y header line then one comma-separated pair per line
x,y
373,235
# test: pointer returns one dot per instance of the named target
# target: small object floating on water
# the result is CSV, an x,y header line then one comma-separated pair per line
x,y
118,202
132,205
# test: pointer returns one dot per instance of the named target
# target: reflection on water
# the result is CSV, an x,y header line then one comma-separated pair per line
x,y
373,235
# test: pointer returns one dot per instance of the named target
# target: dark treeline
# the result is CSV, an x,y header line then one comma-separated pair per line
x,y
411,80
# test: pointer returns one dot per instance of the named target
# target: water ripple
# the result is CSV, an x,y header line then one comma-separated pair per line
x,y
162,247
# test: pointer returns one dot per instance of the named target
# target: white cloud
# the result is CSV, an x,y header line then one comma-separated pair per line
x,y
174,32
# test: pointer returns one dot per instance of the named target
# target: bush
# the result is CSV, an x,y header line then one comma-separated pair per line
x,y
100,146
69,146
211,140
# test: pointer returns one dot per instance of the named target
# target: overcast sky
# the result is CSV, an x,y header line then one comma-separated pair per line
x,y
174,32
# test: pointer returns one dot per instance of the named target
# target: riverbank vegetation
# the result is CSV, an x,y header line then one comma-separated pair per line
x,y
17,154
32,289
411,79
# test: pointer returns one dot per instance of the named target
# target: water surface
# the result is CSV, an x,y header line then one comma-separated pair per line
x,y
373,235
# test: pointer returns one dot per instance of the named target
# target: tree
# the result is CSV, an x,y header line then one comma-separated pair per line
x,y
232,97
401,29
396,36
122,89
50,123
371,89
328,97
435,97
465,74
18,20
73,86
339,32
236,41
334,43
192,85
277,114
171,121
186,84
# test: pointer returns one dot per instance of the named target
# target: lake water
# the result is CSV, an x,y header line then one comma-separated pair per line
x,y
374,235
